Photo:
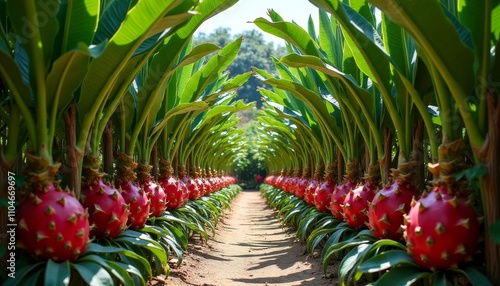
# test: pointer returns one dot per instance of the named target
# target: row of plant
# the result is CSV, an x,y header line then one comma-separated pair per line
x,y
135,256
388,126
116,134
362,258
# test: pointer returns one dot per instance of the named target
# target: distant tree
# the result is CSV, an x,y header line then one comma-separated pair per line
x,y
254,52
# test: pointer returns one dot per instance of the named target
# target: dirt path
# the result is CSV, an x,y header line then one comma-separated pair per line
x,y
250,248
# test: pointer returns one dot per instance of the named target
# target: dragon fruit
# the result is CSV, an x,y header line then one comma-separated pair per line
x,y
134,195
441,230
193,185
310,189
53,225
386,211
184,184
154,191
313,185
301,187
355,206
337,199
156,195
323,195
171,186
108,212
139,204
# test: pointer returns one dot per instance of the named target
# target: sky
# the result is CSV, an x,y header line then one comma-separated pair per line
x,y
244,11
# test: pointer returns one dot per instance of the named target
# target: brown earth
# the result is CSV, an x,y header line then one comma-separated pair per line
x,y
250,248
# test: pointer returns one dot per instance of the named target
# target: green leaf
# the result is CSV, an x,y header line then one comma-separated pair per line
x,y
57,273
119,273
152,92
65,77
315,102
348,265
495,232
92,273
105,69
110,20
145,241
211,71
182,108
122,272
403,275
80,23
476,277
443,46
439,279
36,24
26,268
385,260
11,76
291,33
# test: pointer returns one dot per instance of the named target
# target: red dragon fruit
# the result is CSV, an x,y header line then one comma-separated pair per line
x,y
157,196
338,197
199,182
441,230
313,185
133,194
170,185
355,206
323,195
301,187
53,225
386,211
184,183
108,212
154,191
139,204
193,185
310,189
194,190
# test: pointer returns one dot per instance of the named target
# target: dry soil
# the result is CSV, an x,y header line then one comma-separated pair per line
x,y
250,248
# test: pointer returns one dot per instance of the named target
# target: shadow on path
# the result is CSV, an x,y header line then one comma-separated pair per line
x,y
251,247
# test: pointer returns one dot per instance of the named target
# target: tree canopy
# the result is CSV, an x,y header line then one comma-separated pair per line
x,y
254,52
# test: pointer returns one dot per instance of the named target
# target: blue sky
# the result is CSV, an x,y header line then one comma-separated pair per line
x,y
238,16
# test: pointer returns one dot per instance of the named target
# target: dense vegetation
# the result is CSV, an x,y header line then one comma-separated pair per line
x,y
254,52
120,136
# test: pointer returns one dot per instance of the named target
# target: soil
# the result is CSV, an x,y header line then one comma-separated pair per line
x,y
250,247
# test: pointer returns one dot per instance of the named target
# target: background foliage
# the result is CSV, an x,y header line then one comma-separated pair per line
x,y
254,52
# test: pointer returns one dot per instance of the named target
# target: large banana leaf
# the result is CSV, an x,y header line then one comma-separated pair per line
x,y
315,103
201,79
350,88
443,48
151,94
104,70
80,22
367,49
291,33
